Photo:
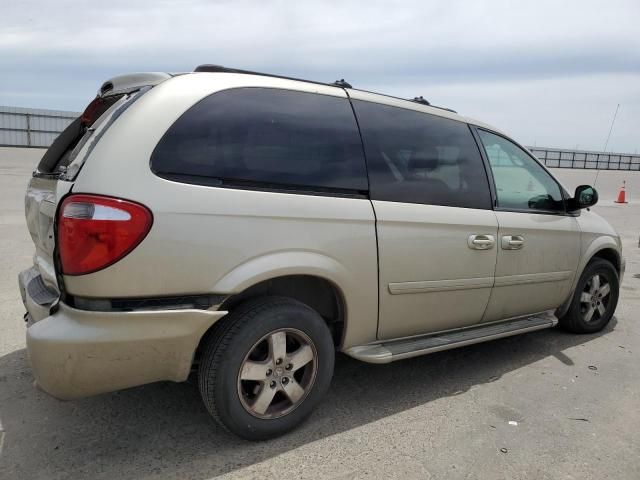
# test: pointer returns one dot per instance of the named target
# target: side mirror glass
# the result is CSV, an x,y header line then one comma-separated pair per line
x,y
585,196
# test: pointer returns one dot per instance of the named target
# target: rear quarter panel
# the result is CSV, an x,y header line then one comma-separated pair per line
x,y
208,239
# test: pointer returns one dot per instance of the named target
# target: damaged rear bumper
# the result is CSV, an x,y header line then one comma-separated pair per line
x,y
78,353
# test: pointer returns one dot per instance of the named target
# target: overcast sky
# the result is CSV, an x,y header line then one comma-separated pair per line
x,y
549,72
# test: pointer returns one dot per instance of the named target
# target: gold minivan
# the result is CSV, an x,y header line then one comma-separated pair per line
x,y
248,226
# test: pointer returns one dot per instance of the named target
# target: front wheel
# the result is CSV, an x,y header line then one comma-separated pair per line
x,y
594,300
267,368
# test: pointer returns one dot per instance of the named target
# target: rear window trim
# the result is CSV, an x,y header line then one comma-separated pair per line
x,y
219,182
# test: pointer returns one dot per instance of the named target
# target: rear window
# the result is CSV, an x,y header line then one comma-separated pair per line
x,y
265,137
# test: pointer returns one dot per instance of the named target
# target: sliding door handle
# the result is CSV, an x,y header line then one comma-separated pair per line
x,y
481,242
512,242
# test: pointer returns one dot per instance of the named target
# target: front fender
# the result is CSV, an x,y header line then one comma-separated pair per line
x,y
597,244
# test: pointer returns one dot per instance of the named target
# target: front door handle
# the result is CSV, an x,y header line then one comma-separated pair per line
x,y
512,242
481,242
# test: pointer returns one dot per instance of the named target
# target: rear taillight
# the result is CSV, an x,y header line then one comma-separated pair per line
x,y
95,231
93,111
97,108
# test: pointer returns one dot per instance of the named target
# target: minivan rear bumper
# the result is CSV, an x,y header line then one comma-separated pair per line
x,y
77,353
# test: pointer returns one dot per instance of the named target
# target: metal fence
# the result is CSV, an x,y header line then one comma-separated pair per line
x,y
585,159
29,127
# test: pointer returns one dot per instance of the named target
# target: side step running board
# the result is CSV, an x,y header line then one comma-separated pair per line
x,y
390,351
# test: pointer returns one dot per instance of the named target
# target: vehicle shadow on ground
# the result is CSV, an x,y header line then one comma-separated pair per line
x,y
163,429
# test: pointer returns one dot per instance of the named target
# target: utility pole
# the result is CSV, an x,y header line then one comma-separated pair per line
x,y
611,129
604,150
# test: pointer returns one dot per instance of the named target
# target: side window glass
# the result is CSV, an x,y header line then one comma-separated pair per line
x,y
416,157
265,136
521,182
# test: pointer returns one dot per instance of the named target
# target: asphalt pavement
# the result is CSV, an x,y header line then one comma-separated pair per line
x,y
545,405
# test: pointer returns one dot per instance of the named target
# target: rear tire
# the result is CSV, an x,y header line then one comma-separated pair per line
x,y
266,367
595,299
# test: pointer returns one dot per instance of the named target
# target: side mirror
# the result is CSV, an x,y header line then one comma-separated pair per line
x,y
585,196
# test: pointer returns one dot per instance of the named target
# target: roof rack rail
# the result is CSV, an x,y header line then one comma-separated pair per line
x,y
421,100
342,83
219,68
445,108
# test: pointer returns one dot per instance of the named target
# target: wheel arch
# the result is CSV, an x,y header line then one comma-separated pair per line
x,y
605,248
312,278
317,292
609,254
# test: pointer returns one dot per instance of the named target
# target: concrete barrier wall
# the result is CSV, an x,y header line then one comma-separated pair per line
x,y
608,182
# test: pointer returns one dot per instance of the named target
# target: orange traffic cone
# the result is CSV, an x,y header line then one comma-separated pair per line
x,y
622,196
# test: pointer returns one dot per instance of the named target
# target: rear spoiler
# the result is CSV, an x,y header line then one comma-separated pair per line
x,y
131,82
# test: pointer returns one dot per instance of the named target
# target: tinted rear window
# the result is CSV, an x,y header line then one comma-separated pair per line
x,y
267,137
417,157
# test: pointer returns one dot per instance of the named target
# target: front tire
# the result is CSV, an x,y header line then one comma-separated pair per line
x,y
266,367
594,300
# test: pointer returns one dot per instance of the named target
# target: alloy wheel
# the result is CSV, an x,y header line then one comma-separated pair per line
x,y
595,298
278,373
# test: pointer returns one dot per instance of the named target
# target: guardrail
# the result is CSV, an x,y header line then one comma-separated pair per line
x,y
23,127
585,159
